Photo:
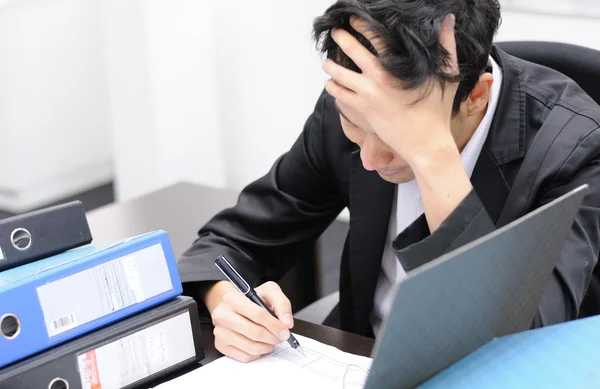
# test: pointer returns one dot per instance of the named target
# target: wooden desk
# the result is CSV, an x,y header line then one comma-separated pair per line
x,y
345,341
181,210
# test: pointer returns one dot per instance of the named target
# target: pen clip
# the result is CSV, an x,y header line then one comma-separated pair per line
x,y
226,268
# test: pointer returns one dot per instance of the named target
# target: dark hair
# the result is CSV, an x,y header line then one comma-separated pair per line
x,y
410,30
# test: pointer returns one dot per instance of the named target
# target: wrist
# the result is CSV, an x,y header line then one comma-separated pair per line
x,y
434,149
214,294
442,171
443,184
435,157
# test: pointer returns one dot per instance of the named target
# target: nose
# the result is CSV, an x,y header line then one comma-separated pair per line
x,y
373,156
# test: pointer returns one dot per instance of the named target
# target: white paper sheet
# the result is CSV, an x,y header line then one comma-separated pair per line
x,y
324,367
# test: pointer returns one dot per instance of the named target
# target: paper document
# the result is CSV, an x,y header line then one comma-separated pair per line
x,y
323,367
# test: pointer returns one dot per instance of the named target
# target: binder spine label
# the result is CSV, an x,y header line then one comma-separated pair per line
x,y
88,367
2,258
134,357
93,293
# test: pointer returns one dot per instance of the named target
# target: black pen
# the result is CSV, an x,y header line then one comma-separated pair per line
x,y
227,268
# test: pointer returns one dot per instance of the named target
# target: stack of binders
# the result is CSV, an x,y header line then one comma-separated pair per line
x,y
73,315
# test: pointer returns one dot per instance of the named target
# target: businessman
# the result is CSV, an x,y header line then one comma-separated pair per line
x,y
432,137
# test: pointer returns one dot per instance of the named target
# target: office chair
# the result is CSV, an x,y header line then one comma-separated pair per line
x,y
582,65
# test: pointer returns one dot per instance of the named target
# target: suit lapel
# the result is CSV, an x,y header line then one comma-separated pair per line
x,y
505,142
370,206
489,184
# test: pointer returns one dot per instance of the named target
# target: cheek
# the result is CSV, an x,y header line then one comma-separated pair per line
x,y
354,134
392,159
397,161
385,155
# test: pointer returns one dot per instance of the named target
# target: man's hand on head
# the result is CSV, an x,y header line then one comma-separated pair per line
x,y
414,123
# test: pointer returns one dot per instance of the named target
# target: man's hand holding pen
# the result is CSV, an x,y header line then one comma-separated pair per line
x,y
243,330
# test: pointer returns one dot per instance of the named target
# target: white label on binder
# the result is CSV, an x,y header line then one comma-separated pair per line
x,y
134,357
134,281
103,289
1,254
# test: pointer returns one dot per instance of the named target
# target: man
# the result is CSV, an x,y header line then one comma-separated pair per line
x,y
432,137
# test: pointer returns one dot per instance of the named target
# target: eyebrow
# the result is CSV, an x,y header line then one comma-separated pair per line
x,y
341,113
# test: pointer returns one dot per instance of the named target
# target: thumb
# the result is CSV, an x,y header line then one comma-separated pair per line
x,y
274,297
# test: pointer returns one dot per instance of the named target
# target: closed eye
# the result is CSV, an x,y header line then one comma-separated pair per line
x,y
354,135
342,114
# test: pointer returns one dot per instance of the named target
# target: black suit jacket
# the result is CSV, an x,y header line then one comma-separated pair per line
x,y
544,141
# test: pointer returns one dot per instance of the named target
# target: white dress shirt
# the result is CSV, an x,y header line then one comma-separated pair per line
x,y
407,207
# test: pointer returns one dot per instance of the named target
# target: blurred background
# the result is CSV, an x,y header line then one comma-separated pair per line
x,y
107,100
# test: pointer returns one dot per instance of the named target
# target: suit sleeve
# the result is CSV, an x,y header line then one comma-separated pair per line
x,y
275,215
469,221
568,284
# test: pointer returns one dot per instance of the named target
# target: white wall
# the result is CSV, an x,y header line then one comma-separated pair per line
x,y
53,105
204,91
576,8
162,77
522,25
270,77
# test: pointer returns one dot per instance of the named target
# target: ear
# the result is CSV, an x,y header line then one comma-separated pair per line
x,y
480,95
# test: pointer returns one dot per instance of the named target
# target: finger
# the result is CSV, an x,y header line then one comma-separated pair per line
x,y
235,353
274,297
342,94
358,53
250,347
362,27
230,319
346,77
241,305
448,41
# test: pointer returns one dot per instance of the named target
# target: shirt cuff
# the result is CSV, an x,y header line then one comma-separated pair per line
x,y
415,247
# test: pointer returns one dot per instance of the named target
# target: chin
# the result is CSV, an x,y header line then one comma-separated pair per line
x,y
400,178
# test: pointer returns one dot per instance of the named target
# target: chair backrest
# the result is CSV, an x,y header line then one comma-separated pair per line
x,y
576,62
582,65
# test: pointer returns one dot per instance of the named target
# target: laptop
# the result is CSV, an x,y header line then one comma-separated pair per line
x,y
457,303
